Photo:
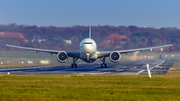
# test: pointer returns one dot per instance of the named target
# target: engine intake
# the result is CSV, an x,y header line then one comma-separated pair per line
x,y
62,57
115,56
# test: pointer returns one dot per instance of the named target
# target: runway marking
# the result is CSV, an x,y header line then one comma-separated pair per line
x,y
161,67
140,72
120,70
150,68
106,72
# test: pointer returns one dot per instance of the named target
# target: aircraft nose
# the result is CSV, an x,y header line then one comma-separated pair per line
x,y
88,48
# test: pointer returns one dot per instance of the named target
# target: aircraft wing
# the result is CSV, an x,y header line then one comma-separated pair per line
x,y
70,54
107,53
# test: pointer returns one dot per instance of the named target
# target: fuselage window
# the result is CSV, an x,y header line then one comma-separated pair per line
x,y
87,42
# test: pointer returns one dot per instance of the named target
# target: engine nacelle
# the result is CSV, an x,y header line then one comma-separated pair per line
x,y
62,57
115,56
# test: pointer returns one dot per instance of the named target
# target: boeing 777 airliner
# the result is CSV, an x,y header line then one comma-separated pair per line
x,y
88,52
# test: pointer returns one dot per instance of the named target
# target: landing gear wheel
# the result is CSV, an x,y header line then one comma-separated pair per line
x,y
101,65
74,62
74,65
105,65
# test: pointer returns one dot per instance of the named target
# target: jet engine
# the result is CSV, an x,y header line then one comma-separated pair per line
x,y
115,56
62,57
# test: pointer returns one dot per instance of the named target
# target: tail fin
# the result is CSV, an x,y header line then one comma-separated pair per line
x,y
90,32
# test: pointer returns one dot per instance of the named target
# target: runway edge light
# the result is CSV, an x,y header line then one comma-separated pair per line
x,y
148,71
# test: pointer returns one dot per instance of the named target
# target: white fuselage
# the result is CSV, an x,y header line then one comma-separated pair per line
x,y
88,49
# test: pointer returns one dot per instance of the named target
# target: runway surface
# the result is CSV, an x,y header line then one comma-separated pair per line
x,y
125,67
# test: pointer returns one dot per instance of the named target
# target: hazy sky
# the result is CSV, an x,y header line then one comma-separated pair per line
x,y
61,13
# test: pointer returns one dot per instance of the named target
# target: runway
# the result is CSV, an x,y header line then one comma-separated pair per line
x,y
125,67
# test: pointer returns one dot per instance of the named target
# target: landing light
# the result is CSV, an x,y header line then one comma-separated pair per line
x,y
87,54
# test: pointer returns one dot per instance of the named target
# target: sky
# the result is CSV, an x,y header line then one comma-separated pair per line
x,y
63,13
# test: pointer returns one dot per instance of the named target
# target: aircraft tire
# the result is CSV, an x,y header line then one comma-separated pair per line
x,y
101,65
72,65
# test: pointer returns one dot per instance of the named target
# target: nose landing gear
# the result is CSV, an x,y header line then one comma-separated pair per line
x,y
103,64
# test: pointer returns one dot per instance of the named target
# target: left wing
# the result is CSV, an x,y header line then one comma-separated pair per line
x,y
107,53
70,54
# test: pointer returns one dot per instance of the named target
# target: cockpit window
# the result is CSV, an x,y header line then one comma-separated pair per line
x,y
87,42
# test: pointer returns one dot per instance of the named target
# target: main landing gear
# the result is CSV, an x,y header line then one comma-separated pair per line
x,y
74,62
103,64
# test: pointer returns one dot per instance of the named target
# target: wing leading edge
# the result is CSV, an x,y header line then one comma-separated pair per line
x,y
70,54
77,54
107,53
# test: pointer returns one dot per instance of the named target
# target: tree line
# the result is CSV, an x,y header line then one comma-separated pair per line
x,y
138,37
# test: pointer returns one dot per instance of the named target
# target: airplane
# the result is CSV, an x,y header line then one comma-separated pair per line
x,y
88,52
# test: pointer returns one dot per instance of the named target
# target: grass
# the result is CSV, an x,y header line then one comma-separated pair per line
x,y
90,87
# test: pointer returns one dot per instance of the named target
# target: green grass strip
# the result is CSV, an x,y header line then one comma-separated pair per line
x,y
90,87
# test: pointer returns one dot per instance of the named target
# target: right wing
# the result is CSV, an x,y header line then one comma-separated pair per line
x,y
107,53
70,54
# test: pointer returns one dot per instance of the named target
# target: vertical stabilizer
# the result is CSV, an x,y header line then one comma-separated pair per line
x,y
90,32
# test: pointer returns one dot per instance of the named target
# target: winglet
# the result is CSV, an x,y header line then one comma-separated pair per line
x,y
90,32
